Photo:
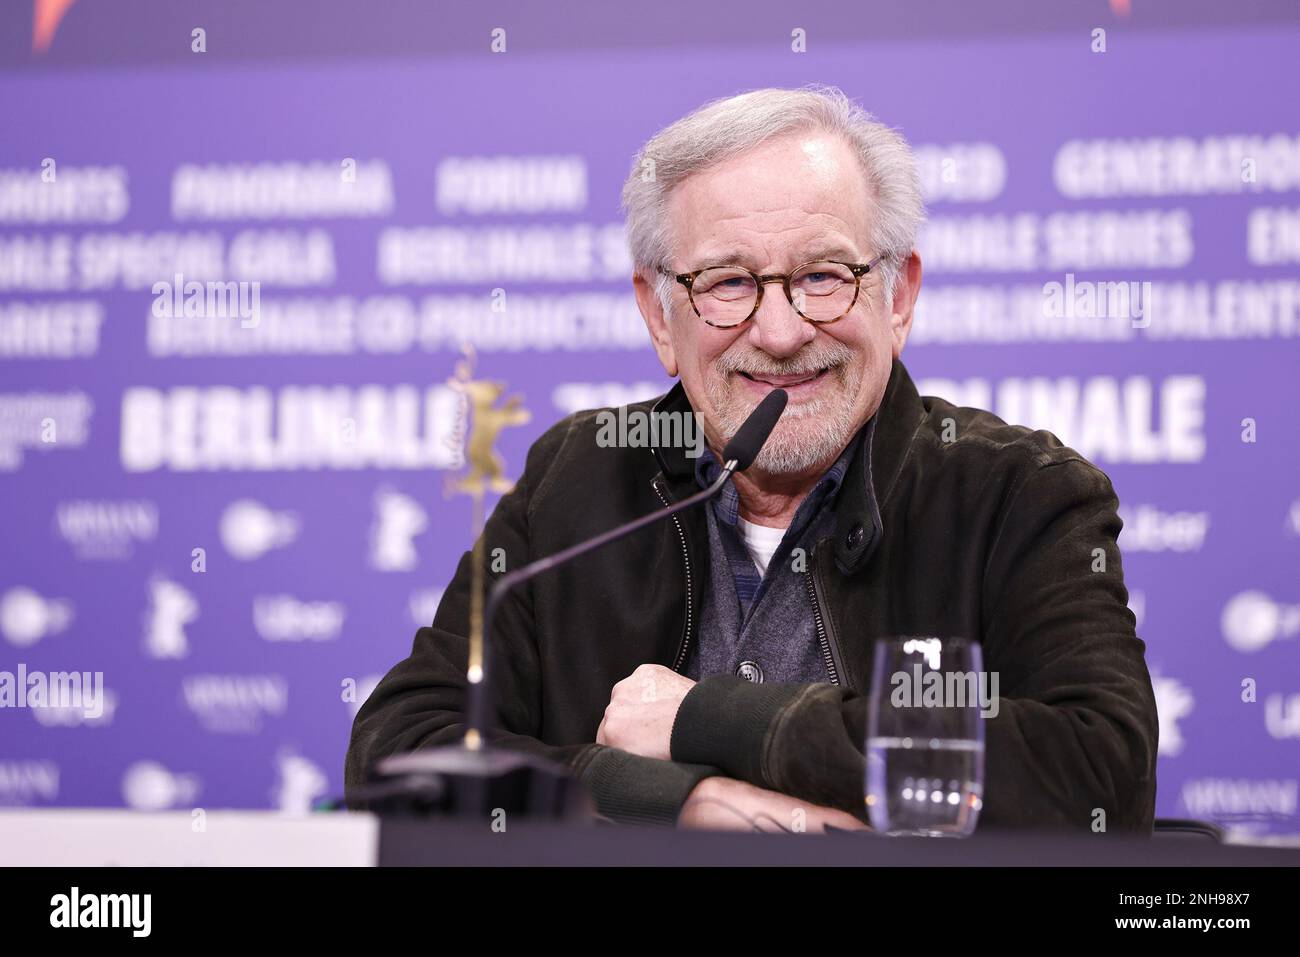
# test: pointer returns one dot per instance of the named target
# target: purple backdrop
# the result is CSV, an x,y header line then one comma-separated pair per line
x,y
129,440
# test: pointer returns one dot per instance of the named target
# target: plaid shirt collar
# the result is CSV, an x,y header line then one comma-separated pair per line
x,y
749,584
726,505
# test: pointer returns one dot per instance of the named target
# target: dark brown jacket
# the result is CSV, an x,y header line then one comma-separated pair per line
x,y
966,527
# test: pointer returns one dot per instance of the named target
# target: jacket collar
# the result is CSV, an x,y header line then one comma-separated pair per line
x,y
889,439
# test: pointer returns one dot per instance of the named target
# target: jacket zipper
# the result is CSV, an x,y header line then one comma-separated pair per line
x,y
686,559
820,622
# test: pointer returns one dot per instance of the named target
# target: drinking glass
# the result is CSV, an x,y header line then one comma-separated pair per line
x,y
925,736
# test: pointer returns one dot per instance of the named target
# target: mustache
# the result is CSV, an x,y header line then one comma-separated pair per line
x,y
755,362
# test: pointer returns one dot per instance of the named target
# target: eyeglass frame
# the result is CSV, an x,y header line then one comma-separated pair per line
x,y
762,279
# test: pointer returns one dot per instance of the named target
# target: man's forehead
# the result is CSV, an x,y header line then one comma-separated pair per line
x,y
807,191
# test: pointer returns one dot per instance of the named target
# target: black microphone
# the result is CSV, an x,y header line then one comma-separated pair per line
x,y
473,779
753,432
738,455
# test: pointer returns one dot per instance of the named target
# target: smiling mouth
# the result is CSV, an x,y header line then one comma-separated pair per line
x,y
786,381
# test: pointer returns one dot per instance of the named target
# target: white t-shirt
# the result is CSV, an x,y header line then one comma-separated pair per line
x,y
761,541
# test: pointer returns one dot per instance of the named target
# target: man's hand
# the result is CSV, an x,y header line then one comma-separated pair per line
x,y
725,804
642,709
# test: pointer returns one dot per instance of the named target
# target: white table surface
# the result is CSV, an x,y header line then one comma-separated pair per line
x,y
58,837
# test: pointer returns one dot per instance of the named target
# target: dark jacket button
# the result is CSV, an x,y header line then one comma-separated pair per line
x,y
750,671
855,536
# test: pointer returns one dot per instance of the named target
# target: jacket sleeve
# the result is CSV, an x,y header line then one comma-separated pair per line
x,y
1073,743
421,701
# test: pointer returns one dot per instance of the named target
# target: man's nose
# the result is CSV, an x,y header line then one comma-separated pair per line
x,y
777,328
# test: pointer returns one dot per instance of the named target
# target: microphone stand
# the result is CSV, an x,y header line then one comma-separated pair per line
x,y
479,689
472,779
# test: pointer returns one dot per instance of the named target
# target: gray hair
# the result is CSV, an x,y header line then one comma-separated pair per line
x,y
730,126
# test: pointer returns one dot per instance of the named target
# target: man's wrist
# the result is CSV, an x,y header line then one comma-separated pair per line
x,y
726,721
632,789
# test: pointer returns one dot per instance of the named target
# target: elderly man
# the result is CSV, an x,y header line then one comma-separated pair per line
x,y
713,670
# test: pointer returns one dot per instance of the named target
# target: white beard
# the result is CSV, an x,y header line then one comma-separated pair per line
x,y
808,433
817,434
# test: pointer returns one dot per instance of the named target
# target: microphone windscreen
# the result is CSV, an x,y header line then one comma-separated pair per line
x,y
752,434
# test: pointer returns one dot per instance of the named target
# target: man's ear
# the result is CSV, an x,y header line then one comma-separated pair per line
x,y
652,311
905,293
